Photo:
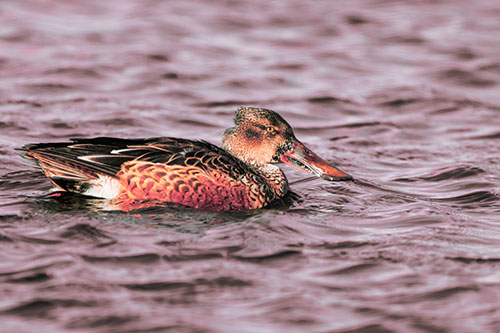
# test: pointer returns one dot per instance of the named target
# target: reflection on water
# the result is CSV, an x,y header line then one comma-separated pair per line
x,y
402,95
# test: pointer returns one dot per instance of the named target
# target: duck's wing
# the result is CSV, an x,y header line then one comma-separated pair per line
x,y
85,159
81,159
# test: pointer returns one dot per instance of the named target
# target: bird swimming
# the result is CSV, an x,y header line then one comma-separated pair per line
x,y
239,175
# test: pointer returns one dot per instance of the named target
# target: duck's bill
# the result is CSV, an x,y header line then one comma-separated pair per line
x,y
304,159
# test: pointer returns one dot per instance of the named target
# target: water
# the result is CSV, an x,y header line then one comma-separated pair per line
x,y
402,95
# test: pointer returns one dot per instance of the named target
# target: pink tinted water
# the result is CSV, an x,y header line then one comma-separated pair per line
x,y
402,95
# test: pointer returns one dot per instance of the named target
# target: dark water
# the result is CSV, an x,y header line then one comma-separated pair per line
x,y
404,95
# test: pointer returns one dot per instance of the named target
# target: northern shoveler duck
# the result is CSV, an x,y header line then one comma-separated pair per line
x,y
239,176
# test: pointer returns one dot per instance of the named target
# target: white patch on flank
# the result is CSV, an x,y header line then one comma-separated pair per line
x,y
104,187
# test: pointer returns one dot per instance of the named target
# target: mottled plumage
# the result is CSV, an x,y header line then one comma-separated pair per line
x,y
137,172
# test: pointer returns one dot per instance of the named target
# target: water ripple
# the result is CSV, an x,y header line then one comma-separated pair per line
x,y
402,95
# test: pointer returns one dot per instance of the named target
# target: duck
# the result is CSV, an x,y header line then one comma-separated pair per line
x,y
240,175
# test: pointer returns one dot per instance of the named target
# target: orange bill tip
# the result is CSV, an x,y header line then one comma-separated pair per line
x,y
306,160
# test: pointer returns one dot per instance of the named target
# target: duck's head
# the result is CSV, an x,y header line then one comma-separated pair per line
x,y
262,136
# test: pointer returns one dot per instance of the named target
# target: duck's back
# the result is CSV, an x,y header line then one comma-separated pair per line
x,y
134,172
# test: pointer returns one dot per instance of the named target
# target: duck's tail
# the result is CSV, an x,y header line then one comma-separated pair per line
x,y
72,169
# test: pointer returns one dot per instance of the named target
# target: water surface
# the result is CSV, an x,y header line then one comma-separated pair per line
x,y
402,95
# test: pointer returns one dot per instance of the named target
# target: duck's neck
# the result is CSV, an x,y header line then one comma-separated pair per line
x,y
274,177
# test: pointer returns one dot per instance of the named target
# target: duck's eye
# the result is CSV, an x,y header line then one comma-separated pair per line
x,y
270,129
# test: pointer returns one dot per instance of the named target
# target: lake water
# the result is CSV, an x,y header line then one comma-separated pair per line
x,y
402,95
